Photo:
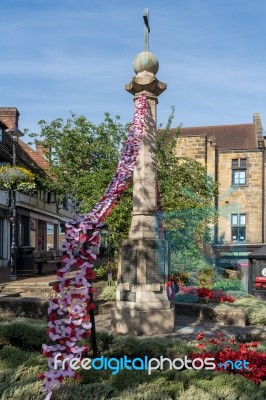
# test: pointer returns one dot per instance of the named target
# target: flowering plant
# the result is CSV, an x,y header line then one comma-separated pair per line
x,y
17,178
69,313
171,290
205,294
223,349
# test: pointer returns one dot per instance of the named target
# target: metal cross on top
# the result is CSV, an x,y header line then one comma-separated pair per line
x,y
146,29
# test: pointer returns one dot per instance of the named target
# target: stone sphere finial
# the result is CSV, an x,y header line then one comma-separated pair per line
x,y
146,61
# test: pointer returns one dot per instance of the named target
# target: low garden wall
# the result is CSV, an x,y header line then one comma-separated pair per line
x,y
24,307
222,314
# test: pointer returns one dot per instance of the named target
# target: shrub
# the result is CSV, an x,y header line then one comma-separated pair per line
x,y
200,383
203,294
34,359
222,350
108,293
26,372
126,379
148,346
19,372
138,347
103,340
94,376
5,378
144,392
189,267
101,271
231,387
25,333
11,357
228,284
255,310
179,348
194,392
23,390
94,391
237,294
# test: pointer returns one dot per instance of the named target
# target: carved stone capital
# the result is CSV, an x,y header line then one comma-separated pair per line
x,y
146,81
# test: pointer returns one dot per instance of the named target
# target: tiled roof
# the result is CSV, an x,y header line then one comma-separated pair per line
x,y
25,156
35,156
226,137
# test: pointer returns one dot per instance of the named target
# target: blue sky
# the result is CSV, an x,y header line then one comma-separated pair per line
x,y
62,55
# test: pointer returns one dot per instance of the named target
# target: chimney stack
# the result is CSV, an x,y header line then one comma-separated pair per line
x,y
42,149
258,127
9,116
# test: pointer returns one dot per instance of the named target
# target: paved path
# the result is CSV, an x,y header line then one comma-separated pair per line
x,y
34,279
190,330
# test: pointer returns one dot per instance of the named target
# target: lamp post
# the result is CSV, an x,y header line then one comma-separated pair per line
x,y
95,350
15,134
169,250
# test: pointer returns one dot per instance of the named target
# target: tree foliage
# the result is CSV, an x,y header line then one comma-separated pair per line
x,y
83,159
187,194
83,156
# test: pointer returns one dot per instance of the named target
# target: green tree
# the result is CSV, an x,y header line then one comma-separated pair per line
x,y
187,195
83,159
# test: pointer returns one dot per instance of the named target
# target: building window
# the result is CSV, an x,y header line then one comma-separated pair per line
x,y
51,197
33,232
1,236
238,223
62,231
41,235
51,237
239,171
24,231
65,204
1,134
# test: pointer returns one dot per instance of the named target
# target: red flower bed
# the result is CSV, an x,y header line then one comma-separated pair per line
x,y
206,294
229,349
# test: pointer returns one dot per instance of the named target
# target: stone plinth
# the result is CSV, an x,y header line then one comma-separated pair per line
x,y
135,322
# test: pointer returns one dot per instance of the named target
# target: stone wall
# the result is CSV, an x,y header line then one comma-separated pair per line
x,y
221,314
241,199
192,147
13,307
232,199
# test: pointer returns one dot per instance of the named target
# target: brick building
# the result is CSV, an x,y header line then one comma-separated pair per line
x,y
234,156
40,216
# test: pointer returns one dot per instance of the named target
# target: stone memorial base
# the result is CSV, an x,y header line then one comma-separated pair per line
x,y
142,322
142,306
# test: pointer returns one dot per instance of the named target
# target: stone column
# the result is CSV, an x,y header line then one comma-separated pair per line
x,y
142,306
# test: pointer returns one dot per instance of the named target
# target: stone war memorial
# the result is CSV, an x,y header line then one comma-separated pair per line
x,y
142,305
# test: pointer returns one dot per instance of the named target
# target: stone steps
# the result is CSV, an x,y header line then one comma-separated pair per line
x,y
39,290
8,294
